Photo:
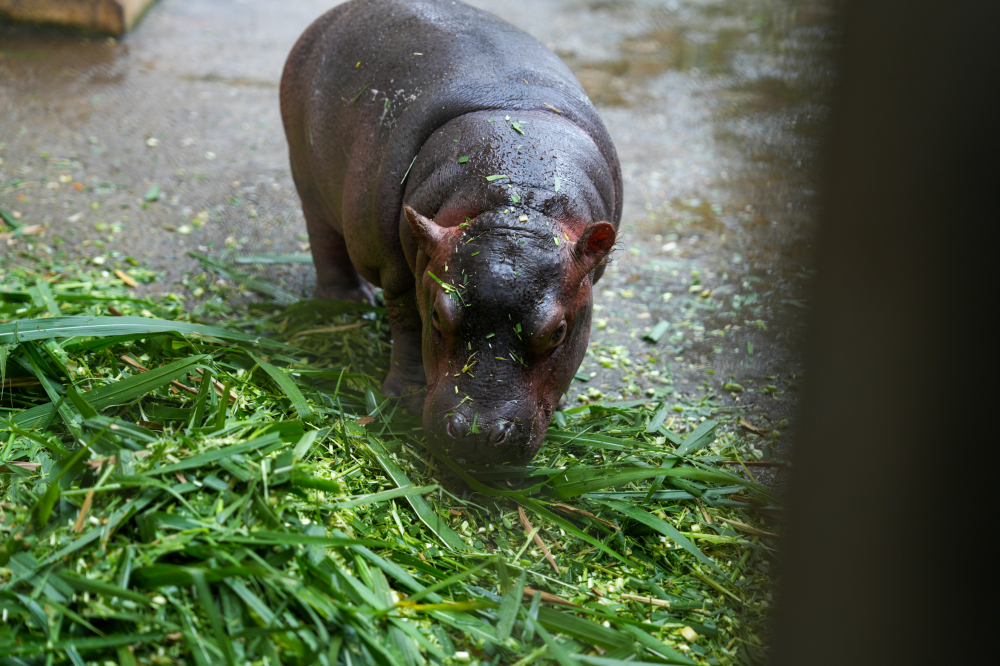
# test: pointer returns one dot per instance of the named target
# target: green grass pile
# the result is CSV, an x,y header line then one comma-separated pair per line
x,y
237,492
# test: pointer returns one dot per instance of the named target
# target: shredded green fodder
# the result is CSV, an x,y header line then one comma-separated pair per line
x,y
250,499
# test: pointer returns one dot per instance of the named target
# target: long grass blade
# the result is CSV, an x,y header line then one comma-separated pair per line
x,y
581,481
80,326
663,527
288,387
263,287
429,517
118,392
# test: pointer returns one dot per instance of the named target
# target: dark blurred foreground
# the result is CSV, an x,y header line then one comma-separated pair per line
x,y
892,466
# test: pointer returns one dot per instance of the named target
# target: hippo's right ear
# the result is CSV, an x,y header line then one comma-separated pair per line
x,y
594,245
427,233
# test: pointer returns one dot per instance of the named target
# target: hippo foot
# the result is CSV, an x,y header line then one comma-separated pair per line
x,y
365,293
409,394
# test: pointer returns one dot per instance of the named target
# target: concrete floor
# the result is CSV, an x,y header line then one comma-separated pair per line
x,y
715,109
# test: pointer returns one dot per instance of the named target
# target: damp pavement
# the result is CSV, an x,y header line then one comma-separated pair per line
x,y
169,141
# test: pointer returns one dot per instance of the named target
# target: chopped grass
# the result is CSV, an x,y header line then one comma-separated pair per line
x,y
238,492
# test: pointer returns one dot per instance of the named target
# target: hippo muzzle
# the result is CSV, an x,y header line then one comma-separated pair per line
x,y
472,437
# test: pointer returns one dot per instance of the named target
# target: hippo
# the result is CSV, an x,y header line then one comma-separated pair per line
x,y
454,161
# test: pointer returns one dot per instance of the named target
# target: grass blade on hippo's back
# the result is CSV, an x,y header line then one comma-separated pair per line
x,y
428,516
82,326
118,392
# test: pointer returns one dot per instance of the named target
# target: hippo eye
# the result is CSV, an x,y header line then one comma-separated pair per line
x,y
557,335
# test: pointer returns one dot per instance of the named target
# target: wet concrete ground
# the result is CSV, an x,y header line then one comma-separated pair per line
x,y
170,140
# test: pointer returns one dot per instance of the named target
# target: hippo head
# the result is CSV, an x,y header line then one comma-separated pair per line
x,y
505,301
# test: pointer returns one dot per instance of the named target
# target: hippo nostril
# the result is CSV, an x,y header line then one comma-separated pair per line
x,y
456,427
499,432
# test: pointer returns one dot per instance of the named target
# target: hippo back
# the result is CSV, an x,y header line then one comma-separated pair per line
x,y
371,80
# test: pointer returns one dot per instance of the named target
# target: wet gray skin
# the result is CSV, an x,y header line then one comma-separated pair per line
x,y
714,108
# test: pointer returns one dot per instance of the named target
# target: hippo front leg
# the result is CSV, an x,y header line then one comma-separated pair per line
x,y
336,276
406,380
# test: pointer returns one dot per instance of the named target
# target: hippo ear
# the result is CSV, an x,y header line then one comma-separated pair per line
x,y
427,233
594,245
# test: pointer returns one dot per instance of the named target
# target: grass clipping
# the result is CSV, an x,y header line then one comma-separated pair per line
x,y
238,493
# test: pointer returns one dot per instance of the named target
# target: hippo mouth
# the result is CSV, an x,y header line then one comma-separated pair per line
x,y
503,430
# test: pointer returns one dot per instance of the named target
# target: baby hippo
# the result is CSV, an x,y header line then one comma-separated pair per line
x,y
454,161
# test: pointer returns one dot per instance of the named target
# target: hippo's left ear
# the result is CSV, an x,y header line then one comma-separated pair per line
x,y
428,233
594,245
